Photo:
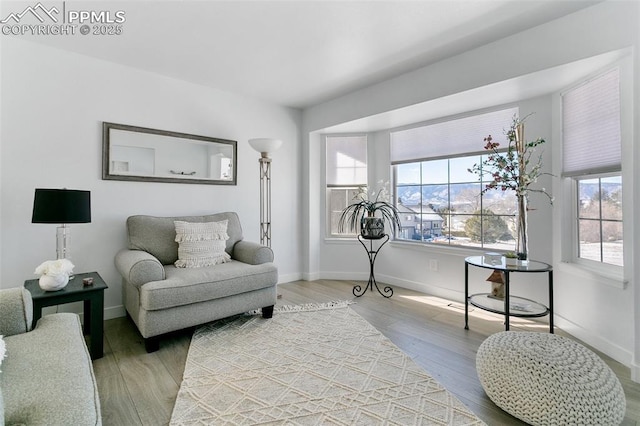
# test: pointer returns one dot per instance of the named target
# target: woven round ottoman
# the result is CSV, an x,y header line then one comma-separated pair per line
x,y
544,379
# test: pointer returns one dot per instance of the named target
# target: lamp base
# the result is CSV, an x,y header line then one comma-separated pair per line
x,y
265,200
63,237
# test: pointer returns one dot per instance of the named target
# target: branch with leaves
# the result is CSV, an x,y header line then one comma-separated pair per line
x,y
513,169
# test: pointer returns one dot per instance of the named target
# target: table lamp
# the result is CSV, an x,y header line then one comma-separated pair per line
x,y
61,206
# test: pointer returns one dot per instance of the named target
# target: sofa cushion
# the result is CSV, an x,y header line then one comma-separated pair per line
x,y
187,286
156,235
47,377
201,244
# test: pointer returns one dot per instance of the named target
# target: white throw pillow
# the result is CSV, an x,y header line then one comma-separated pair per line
x,y
201,243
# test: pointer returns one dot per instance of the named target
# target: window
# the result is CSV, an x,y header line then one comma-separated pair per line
x,y
600,219
346,168
434,187
447,206
592,158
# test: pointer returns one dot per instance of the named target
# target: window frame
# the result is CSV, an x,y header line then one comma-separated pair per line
x,y
445,239
565,217
514,108
329,233
329,211
590,263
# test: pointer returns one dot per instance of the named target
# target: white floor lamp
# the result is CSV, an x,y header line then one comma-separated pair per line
x,y
265,146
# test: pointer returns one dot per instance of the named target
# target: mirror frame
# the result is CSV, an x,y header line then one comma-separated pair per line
x,y
106,157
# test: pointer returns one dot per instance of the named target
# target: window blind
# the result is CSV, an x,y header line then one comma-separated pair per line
x,y
346,160
591,127
450,138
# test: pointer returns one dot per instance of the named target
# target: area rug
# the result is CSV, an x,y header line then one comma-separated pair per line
x,y
308,365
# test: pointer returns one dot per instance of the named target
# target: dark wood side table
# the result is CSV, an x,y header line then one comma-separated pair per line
x,y
75,291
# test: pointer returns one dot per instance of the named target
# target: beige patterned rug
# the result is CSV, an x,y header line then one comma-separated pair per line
x,y
309,365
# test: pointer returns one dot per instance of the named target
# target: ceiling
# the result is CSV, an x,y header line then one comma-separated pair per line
x,y
299,53
504,92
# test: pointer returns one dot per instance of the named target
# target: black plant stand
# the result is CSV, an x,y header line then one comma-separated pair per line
x,y
358,290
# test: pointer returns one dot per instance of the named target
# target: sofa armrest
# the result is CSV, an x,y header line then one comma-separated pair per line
x,y
138,267
17,311
252,253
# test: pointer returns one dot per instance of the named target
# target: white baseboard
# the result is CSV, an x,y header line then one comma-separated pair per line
x,y
289,278
635,373
109,313
600,343
433,290
344,276
114,312
310,276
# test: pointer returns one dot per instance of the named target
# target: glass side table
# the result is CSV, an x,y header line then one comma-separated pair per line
x,y
511,305
372,252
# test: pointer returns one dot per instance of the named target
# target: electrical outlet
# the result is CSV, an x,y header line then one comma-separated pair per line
x,y
433,265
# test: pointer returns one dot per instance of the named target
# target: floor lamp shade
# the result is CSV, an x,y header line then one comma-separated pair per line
x,y
265,145
61,206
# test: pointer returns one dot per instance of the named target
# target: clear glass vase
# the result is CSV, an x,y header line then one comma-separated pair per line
x,y
522,238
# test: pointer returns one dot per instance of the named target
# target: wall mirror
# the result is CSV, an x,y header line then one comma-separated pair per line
x,y
150,155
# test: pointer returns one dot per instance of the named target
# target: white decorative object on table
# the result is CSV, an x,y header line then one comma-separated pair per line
x,y
510,261
54,274
492,258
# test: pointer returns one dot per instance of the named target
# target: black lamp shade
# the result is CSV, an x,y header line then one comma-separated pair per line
x,y
61,206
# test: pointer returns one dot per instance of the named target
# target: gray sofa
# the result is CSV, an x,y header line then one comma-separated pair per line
x,y
47,376
161,298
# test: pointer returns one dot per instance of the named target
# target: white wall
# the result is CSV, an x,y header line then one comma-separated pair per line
x,y
53,106
550,45
599,304
635,205
407,264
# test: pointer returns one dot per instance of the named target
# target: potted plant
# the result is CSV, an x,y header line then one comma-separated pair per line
x,y
515,170
511,259
363,211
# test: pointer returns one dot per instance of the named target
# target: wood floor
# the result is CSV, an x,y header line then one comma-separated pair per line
x,y
137,388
